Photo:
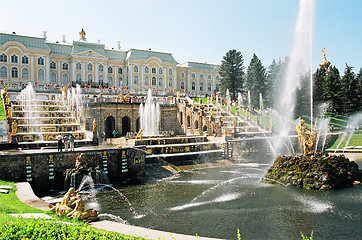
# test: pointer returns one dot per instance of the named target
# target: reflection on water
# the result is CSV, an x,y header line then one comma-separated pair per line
x,y
216,202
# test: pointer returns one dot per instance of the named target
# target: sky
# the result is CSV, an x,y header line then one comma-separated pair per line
x,y
195,30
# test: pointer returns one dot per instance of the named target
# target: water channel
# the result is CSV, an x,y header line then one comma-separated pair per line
x,y
215,202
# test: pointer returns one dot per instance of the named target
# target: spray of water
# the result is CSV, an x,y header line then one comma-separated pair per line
x,y
150,116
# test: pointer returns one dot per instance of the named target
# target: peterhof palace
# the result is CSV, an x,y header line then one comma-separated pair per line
x,y
26,59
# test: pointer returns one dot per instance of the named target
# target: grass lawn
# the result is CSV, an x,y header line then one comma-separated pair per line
x,y
17,228
356,140
2,113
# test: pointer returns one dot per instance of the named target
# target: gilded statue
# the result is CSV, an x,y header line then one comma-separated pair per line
x,y
94,124
306,138
7,98
178,95
9,112
82,35
14,127
80,161
120,97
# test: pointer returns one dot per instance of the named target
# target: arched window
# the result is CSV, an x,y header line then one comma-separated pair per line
x,y
153,70
209,77
182,85
170,82
147,80
53,65
3,58
196,124
170,72
65,66
78,78
65,78
182,74
193,75
135,80
160,81
24,73
110,81
3,72
90,79
201,86
160,71
24,60
100,67
40,61
201,76
193,85
188,121
100,80
40,74
119,70
147,70
217,77
110,70
78,66
209,87
90,67
14,58
14,72
120,80
154,81
53,78
135,69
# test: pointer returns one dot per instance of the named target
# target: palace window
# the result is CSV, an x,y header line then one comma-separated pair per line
x,y
14,72
217,77
154,81
182,74
14,58
65,78
40,61
3,72
90,67
160,71
193,75
120,80
90,79
201,76
182,85
24,60
120,71
110,70
65,66
209,77
3,58
53,65
78,66
193,85
78,78
40,74
100,67
110,81
24,73
170,72
147,70
53,78
170,82
135,80
160,81
100,80
135,69
209,87
147,80
153,70
201,86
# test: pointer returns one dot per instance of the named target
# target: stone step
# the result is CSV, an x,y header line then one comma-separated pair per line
x,y
6,187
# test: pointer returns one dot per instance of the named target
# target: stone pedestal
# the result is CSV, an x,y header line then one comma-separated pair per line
x,y
95,138
13,139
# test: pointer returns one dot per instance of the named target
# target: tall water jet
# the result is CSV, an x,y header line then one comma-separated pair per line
x,y
299,64
150,116
249,100
240,99
261,103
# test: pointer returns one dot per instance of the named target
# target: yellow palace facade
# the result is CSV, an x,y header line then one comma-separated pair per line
x,y
26,59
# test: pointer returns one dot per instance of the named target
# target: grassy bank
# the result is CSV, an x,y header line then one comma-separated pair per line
x,y
17,228
2,113
356,140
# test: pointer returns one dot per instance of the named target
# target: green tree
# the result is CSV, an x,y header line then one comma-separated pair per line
x,y
319,86
274,77
256,80
334,93
232,73
351,90
303,97
359,86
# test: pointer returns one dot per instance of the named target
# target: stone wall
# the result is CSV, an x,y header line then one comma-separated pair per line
x,y
45,171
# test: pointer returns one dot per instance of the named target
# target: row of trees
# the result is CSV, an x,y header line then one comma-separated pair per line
x,y
343,94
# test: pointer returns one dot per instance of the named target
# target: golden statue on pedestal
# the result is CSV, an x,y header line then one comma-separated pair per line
x,y
324,62
306,138
14,128
94,124
82,35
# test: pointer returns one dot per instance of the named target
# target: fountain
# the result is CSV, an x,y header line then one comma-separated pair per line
x,y
150,116
240,100
261,103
